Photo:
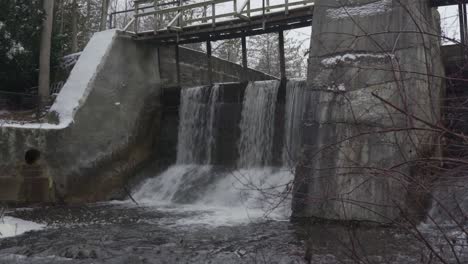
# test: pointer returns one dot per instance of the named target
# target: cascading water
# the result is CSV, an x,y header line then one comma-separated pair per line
x,y
197,113
252,190
295,92
257,125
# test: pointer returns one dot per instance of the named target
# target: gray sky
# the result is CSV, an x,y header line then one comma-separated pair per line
x,y
449,22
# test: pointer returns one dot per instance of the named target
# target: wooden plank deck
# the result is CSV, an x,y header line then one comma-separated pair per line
x,y
218,26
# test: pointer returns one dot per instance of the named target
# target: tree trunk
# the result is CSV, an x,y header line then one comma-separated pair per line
x,y
104,9
89,23
74,35
44,57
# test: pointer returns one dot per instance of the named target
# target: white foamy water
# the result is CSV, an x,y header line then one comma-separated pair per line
x,y
197,113
222,196
229,197
257,124
10,226
296,91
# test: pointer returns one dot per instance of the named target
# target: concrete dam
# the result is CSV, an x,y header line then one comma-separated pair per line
x,y
354,141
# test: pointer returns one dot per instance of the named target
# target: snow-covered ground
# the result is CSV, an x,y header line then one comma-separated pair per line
x,y
10,226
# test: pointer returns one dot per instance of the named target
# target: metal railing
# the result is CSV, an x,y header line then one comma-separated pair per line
x,y
175,16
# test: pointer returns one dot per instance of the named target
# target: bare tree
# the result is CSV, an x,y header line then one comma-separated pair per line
x,y
104,9
74,34
46,42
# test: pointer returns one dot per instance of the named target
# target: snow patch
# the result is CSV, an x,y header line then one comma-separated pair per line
x,y
70,60
77,87
16,49
340,87
370,9
351,57
10,226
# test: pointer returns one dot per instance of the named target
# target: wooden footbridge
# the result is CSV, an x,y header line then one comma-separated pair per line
x,y
175,22
182,21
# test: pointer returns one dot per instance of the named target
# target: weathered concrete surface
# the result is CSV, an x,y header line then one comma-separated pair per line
x,y
116,129
112,134
355,145
194,69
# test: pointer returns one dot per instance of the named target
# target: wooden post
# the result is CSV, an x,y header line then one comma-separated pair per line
x,y
465,23
208,57
213,14
461,17
135,25
156,17
181,14
235,7
281,54
461,22
177,55
245,66
111,16
286,7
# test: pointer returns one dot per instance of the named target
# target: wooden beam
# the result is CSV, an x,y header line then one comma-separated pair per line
x,y
135,26
203,37
245,66
281,54
209,62
228,30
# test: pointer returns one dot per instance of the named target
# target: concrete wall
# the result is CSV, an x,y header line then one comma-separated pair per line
x,y
194,69
355,145
112,134
116,123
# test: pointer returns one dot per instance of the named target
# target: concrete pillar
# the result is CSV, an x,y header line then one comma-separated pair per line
x,y
363,64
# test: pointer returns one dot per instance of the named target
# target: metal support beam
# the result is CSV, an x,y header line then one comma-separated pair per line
x,y
281,54
177,55
245,66
209,62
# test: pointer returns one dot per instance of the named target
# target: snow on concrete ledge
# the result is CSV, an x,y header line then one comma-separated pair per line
x,y
371,9
78,86
352,57
10,226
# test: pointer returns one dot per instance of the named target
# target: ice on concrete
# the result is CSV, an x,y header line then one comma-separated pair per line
x,y
351,57
10,226
371,9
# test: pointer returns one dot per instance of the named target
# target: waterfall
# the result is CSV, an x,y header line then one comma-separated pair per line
x,y
196,125
257,124
252,190
295,92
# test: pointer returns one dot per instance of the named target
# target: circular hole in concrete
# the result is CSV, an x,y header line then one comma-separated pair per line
x,y
32,156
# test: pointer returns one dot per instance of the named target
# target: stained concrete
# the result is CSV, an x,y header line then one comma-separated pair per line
x,y
116,129
354,144
194,69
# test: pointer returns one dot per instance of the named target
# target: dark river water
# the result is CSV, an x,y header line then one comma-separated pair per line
x,y
123,233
